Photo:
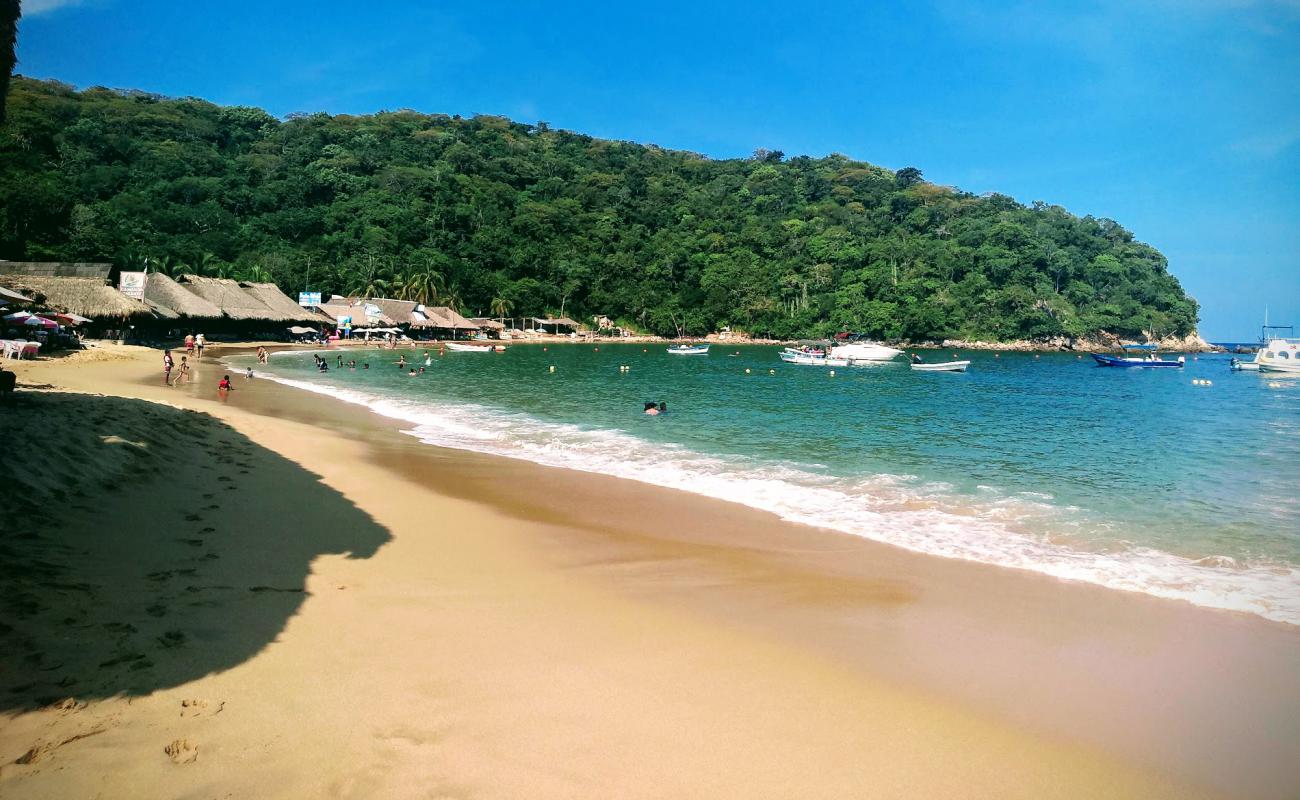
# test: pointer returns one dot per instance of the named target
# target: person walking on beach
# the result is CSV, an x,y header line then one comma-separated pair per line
x,y
199,341
183,373
167,367
261,355
189,344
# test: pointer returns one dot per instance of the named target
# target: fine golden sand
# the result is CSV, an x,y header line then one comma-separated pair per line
x,y
273,595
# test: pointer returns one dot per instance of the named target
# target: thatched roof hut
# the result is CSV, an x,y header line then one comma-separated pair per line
x,y
357,311
447,317
280,303
170,300
87,297
490,324
57,269
230,297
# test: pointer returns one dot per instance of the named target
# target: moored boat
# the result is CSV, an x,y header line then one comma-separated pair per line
x,y
1150,360
461,347
944,366
853,354
1279,355
689,349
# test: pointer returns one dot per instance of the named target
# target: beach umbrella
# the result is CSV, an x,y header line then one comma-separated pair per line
x,y
40,322
71,319
18,317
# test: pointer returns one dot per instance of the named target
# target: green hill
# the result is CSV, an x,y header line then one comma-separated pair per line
x,y
498,217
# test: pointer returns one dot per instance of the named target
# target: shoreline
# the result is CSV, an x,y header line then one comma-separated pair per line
x,y
1095,670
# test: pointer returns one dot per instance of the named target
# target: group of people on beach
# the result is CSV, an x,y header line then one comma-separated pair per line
x,y
194,345
182,373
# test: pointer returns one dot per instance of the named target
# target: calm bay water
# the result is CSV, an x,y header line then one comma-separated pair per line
x,y
1132,479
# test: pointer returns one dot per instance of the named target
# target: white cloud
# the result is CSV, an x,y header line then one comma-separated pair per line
x,y
33,8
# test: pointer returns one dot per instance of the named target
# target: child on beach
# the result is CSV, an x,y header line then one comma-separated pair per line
x,y
183,373
189,344
167,367
224,385
261,355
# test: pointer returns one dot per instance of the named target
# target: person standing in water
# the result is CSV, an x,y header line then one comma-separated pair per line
x,y
167,367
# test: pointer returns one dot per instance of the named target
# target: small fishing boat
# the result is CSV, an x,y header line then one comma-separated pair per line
x,y
461,347
945,366
1150,360
1237,365
689,350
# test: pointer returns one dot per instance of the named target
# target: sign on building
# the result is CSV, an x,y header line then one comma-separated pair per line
x,y
131,284
308,299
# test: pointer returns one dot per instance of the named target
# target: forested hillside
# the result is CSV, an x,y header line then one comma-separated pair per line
x,y
504,218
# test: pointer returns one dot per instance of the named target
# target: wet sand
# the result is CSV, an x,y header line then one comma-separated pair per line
x,y
370,616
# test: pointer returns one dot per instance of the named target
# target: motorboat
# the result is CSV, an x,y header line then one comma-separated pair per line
x,y
1279,355
945,366
689,350
851,354
1237,365
1149,360
461,347
811,358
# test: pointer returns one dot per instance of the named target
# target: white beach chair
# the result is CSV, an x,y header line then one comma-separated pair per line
x,y
32,349
14,348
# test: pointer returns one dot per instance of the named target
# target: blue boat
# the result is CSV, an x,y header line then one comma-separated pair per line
x,y
1149,360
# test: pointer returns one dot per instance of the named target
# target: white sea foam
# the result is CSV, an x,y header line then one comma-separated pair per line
x,y
1023,531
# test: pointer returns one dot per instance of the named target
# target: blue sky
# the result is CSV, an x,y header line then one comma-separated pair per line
x,y
1178,118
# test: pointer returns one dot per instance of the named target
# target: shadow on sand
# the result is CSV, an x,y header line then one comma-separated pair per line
x,y
143,547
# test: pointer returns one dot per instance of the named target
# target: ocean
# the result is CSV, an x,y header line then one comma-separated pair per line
x,y
1137,480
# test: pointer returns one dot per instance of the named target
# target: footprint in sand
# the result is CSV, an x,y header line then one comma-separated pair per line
x,y
156,610
182,752
193,518
172,639
208,530
199,708
212,507
191,542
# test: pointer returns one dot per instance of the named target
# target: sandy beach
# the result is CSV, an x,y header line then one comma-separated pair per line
x,y
272,594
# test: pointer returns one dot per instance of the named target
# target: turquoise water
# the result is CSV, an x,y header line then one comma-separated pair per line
x,y
1133,479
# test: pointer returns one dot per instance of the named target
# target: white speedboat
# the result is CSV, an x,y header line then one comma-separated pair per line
x,y
689,350
864,351
844,355
945,366
1279,355
461,347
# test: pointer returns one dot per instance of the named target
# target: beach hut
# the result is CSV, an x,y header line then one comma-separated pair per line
x,y
445,318
107,309
556,325
171,301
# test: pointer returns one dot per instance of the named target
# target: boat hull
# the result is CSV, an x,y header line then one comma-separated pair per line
x,y
947,366
1144,363
468,348
689,351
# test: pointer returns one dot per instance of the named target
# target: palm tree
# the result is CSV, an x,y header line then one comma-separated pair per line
x,y
451,297
501,306
256,274
423,286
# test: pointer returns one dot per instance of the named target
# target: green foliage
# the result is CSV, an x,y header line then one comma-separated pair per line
x,y
501,218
